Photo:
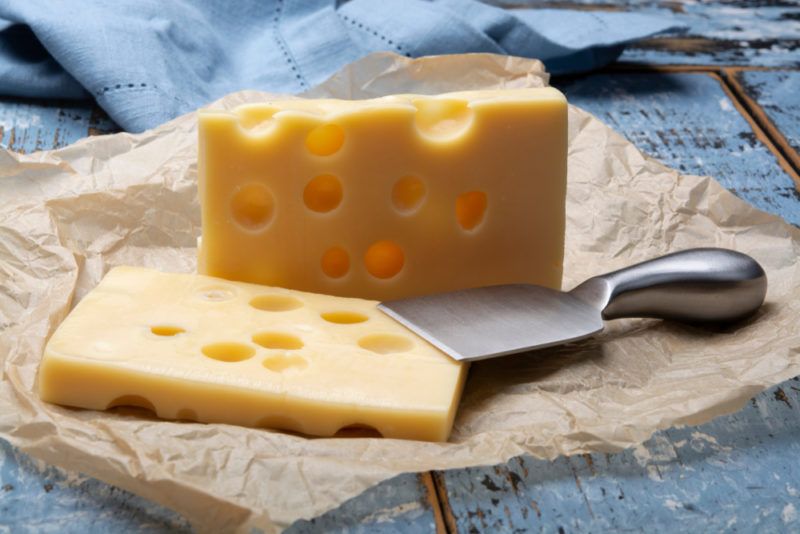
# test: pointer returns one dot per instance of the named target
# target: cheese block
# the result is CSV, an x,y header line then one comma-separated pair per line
x,y
386,198
198,348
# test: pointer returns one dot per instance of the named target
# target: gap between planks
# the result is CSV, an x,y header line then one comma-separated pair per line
x,y
731,76
628,66
433,482
764,130
437,499
738,97
437,491
759,122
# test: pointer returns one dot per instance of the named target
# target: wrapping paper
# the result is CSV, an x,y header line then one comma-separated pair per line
x,y
69,215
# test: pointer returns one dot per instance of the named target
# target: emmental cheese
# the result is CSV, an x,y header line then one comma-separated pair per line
x,y
386,198
198,348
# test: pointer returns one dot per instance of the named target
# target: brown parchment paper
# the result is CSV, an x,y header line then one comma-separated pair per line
x,y
68,215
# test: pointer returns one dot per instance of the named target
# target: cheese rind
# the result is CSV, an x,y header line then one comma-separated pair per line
x,y
469,186
196,347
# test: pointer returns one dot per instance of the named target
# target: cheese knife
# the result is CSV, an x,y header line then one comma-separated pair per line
x,y
701,285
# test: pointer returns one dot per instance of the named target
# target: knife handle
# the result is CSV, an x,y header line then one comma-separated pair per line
x,y
695,285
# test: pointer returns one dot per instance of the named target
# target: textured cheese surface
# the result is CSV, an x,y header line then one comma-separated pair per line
x,y
200,348
386,198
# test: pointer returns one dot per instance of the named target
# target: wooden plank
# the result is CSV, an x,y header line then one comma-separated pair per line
x,y
736,473
723,32
688,121
760,133
773,98
394,505
719,32
37,498
30,125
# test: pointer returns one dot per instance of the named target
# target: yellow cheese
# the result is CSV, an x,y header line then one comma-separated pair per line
x,y
205,349
386,198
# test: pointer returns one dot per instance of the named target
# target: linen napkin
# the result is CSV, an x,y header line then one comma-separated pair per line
x,y
148,61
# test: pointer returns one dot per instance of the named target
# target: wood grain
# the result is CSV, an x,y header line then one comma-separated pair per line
x,y
768,140
30,125
718,32
737,473
38,498
729,474
35,497
689,122
773,99
723,32
394,505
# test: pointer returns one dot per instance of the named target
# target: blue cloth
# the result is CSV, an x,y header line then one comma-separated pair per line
x,y
147,61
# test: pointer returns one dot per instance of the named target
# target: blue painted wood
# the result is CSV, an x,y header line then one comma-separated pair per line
x,y
777,96
392,506
724,32
687,121
738,473
720,32
39,499
30,125
740,468
735,473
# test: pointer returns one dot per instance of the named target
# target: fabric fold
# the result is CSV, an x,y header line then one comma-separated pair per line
x,y
146,62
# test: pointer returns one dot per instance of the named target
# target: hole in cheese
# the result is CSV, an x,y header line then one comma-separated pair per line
x,y
358,430
344,317
323,193
325,140
275,303
408,193
385,343
164,330
470,209
132,401
228,351
384,259
278,340
442,119
216,294
256,119
335,262
252,206
280,364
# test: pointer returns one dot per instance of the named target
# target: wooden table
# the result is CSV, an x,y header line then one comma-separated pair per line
x,y
722,99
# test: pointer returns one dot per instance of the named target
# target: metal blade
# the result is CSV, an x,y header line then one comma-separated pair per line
x,y
485,322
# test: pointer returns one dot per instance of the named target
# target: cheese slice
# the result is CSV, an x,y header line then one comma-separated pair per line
x,y
199,348
386,198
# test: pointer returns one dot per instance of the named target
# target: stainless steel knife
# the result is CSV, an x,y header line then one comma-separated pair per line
x,y
705,285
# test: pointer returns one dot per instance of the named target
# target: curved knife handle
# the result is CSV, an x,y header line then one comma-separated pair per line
x,y
695,285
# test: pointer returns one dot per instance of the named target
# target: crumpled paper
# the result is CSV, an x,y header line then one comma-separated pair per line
x,y
69,215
